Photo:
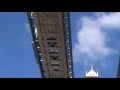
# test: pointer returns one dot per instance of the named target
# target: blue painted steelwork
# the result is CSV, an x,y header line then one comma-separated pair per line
x,y
68,43
35,44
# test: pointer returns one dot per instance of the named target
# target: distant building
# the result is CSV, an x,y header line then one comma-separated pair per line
x,y
118,72
91,73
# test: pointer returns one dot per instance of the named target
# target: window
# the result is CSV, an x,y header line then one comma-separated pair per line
x,y
36,33
68,51
67,45
65,21
37,44
70,69
33,22
66,29
42,63
43,69
31,13
67,38
68,57
70,74
69,63
65,14
44,74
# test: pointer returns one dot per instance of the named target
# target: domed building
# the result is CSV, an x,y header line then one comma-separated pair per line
x,y
91,73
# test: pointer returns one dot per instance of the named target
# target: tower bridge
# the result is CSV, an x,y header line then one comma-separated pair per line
x,y
51,34
52,46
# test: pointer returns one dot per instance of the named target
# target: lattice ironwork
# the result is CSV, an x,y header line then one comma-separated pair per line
x,y
54,43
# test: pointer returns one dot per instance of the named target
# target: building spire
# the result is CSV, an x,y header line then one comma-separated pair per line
x,y
92,73
91,67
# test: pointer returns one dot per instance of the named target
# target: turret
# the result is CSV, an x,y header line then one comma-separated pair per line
x,y
91,73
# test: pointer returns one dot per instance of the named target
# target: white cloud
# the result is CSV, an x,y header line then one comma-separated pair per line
x,y
27,27
110,20
92,38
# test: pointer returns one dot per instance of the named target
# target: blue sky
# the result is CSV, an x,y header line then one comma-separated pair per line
x,y
95,39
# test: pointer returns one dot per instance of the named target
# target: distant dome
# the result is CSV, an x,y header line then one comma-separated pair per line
x,y
92,73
